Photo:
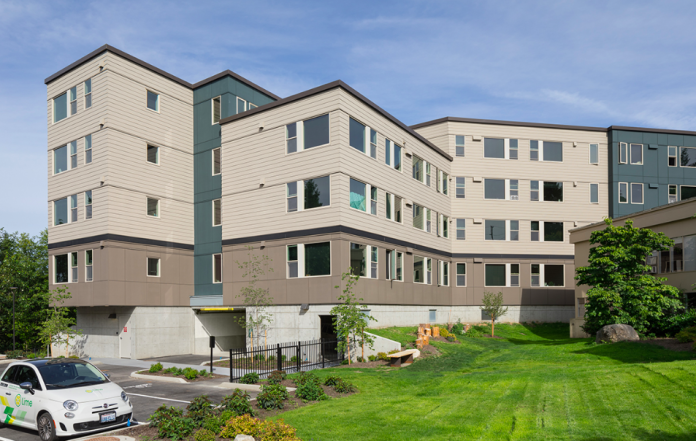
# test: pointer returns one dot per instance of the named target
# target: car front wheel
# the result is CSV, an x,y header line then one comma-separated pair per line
x,y
47,430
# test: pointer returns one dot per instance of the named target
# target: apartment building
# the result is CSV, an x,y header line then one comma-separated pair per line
x,y
159,190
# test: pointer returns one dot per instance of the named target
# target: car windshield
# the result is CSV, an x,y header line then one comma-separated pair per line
x,y
61,374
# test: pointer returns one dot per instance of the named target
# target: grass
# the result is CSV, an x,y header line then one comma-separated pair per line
x,y
535,383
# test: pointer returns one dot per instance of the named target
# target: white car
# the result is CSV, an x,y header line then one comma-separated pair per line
x,y
61,397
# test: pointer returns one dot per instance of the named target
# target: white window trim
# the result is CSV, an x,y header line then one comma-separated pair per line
x,y
392,202
85,204
542,274
425,217
508,190
623,146
679,156
441,272
366,139
642,193
541,191
590,193
300,195
213,211
389,144
84,158
642,154
53,211
541,151
456,281
425,270
441,220
676,156
158,154
301,260
246,106
507,275
70,267
221,268
368,197
506,149
542,230
158,208
212,161
299,130
459,145
67,107
398,255
368,259
87,266
679,198
590,154
677,193
159,106
212,109
159,269
618,194
85,95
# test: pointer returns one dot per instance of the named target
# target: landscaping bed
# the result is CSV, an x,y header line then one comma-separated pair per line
x,y
188,374
194,380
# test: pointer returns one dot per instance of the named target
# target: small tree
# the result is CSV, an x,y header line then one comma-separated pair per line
x,y
256,300
56,329
493,306
349,318
622,291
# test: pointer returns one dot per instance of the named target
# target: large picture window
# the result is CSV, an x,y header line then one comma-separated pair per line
x,y
495,230
494,148
688,157
357,135
60,107
502,274
60,159
305,195
358,195
60,212
547,275
550,191
317,259
303,135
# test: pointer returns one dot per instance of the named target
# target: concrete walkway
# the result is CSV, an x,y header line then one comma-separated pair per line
x,y
142,364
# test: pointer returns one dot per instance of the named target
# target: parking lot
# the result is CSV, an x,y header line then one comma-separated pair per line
x,y
145,395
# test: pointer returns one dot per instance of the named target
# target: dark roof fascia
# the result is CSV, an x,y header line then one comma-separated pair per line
x,y
108,48
326,87
642,129
238,78
508,123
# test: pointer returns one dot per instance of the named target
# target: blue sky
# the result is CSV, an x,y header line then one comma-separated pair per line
x,y
585,63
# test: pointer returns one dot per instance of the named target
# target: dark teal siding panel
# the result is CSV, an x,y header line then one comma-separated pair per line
x,y
649,138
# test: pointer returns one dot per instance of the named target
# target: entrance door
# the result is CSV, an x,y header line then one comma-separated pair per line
x,y
124,336
328,333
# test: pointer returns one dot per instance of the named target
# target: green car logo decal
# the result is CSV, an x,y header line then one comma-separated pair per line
x,y
18,400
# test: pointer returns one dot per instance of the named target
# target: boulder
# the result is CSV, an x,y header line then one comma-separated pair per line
x,y
616,333
243,438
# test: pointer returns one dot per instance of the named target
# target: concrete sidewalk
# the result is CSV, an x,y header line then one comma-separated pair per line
x,y
142,364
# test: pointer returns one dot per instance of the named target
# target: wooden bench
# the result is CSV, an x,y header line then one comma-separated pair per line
x,y
403,358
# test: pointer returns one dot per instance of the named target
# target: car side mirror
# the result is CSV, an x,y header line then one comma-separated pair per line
x,y
27,386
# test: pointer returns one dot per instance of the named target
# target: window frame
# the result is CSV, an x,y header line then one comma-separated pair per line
x,y
443,267
87,96
90,266
458,146
368,259
669,194
681,186
245,105
72,98
618,194
54,107
394,257
88,150
460,183
670,156
390,148
217,207
367,197
147,203
541,151
590,187
157,101
69,273
642,154
681,148
157,154
542,276
642,193
67,211
623,153
300,134
541,191
508,274
458,228
596,146
212,109
214,256
90,205
72,157
304,257
67,159
456,280
427,274
218,151
147,266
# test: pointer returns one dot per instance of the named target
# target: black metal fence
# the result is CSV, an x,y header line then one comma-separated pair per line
x,y
289,357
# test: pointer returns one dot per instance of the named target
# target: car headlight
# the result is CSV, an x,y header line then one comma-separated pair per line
x,y
70,405
124,397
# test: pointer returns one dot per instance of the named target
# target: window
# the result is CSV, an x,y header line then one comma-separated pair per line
x,y
594,153
60,160
73,100
317,259
89,274
217,109
494,188
73,208
398,206
373,144
153,101
292,259
513,149
317,192
291,138
417,168
217,161
217,268
373,200
461,229
358,195
427,174
495,274
553,231
392,157
60,269
442,182
514,274
461,274
252,106
387,152
153,267
494,148
395,264
432,315
73,268
217,212
88,204
495,230
687,192
418,217
636,154
623,192
241,105
394,207
444,273
60,107
680,257
552,191
672,156
388,204
357,135
88,93
514,192
672,194
533,150
316,131
459,145
623,153
60,212
444,226
428,223
153,207
514,230
688,157
551,275
152,154
292,196
636,193
535,231
73,154
460,189
422,270
358,260
88,149
594,193
373,262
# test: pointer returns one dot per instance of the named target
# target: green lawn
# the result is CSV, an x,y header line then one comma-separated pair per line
x,y
536,383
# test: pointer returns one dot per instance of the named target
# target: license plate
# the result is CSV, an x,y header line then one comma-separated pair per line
x,y
107,417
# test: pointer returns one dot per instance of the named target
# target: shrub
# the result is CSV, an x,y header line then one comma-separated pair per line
x,y
215,424
190,374
171,424
671,325
310,391
382,356
156,367
360,359
293,359
271,358
393,351
241,425
276,431
345,362
283,358
344,387
14,354
276,377
204,435
332,380
687,335
372,357
32,355
250,378
458,328
259,357
272,396
74,357
237,404
444,333
199,410
307,377
451,338
204,373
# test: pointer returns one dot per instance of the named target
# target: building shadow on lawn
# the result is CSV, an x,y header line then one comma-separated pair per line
x,y
629,352
645,435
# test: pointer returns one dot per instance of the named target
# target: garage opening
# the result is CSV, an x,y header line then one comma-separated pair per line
x,y
224,325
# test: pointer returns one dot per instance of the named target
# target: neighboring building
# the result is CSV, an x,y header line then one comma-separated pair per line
x,y
157,188
678,264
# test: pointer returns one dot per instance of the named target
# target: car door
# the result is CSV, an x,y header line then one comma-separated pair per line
x,y
6,395
26,402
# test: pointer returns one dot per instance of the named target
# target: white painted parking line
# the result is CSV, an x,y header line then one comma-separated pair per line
x,y
137,386
5,439
158,398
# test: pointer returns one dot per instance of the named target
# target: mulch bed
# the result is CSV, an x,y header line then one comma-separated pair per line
x,y
197,379
670,343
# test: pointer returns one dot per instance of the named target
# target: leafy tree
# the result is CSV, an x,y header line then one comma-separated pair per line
x,y
57,328
349,319
622,291
23,264
257,300
493,306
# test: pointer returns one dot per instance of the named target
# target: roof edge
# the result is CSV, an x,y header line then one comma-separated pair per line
x,y
508,123
334,85
236,77
643,129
